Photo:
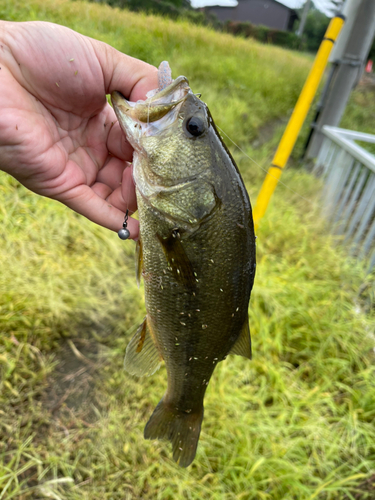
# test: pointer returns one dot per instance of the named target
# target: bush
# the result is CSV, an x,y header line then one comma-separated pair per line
x,y
263,34
315,28
163,7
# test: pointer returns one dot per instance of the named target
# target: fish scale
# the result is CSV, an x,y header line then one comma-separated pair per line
x,y
196,255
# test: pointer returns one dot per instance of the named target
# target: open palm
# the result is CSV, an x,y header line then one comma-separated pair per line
x,y
58,135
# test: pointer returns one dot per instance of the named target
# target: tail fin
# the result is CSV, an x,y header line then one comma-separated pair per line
x,y
180,428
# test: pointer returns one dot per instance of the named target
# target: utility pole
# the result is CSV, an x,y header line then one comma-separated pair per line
x,y
297,118
346,71
305,11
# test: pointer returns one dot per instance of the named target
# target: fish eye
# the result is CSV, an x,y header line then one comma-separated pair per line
x,y
195,126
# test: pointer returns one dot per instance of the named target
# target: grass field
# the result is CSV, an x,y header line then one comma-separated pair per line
x,y
296,423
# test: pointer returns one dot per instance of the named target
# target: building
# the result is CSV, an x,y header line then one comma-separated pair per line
x,y
269,13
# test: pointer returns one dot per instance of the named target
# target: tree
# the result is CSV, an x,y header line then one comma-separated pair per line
x,y
172,8
315,28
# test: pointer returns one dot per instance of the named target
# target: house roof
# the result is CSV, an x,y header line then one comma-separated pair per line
x,y
232,4
211,3
291,4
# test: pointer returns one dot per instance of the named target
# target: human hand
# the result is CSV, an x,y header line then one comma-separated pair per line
x,y
58,135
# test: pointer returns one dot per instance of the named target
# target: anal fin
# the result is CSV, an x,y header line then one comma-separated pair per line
x,y
142,357
242,347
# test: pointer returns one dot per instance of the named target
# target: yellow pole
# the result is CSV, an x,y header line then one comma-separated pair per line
x,y
298,117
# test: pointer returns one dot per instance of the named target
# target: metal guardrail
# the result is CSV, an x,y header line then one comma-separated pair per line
x,y
349,189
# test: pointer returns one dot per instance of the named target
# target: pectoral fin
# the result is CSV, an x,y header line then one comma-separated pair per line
x,y
189,204
177,259
142,356
138,261
242,347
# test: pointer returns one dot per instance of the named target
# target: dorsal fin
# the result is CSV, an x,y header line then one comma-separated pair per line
x,y
242,347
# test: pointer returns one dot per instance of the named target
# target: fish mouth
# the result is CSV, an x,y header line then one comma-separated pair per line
x,y
139,118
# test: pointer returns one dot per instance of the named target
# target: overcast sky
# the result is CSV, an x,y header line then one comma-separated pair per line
x,y
294,4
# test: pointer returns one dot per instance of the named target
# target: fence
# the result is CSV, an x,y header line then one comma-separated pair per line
x,y
349,189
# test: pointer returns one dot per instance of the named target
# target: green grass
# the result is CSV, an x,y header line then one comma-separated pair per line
x,y
360,114
296,423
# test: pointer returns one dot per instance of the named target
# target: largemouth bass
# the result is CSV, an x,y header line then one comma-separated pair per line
x,y
196,254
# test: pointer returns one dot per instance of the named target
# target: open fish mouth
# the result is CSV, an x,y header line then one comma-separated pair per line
x,y
155,114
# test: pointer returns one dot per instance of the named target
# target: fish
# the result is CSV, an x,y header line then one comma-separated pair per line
x,y
195,253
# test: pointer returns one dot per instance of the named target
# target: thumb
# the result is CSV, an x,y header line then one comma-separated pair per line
x,y
130,76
